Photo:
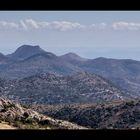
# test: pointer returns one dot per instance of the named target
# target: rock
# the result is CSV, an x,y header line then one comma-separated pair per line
x,y
14,113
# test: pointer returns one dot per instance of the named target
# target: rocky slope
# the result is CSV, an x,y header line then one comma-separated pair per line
x,y
115,115
25,118
5,125
125,73
55,89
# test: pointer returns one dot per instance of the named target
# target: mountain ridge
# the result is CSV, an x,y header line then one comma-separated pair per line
x,y
25,51
58,89
124,73
72,56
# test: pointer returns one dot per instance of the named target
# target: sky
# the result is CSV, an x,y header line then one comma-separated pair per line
x,y
90,34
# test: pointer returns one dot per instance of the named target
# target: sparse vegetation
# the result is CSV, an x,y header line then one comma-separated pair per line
x,y
55,89
70,84
114,115
25,118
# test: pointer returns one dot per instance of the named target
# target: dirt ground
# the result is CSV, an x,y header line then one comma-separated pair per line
x,y
4,125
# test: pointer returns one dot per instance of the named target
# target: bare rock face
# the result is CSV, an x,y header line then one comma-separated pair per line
x,y
13,112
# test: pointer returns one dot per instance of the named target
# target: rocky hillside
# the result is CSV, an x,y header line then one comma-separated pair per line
x,y
5,125
124,73
20,117
115,115
55,89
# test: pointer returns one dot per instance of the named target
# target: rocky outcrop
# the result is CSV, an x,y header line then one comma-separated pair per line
x,y
13,113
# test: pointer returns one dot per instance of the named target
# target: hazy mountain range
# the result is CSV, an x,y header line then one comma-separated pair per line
x,y
95,93
30,60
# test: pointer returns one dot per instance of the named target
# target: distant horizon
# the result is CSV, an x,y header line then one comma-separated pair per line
x,y
70,52
90,34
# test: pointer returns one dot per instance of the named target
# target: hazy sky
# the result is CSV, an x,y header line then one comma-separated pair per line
x,y
90,34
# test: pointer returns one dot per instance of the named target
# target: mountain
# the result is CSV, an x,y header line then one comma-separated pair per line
x,y
55,89
113,115
37,64
25,51
2,56
2,59
21,117
124,73
4,62
73,58
30,60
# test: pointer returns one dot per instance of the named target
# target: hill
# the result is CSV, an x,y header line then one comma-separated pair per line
x,y
114,115
13,115
56,89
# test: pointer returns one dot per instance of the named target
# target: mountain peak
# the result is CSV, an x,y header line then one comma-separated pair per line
x,y
26,51
72,56
28,47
